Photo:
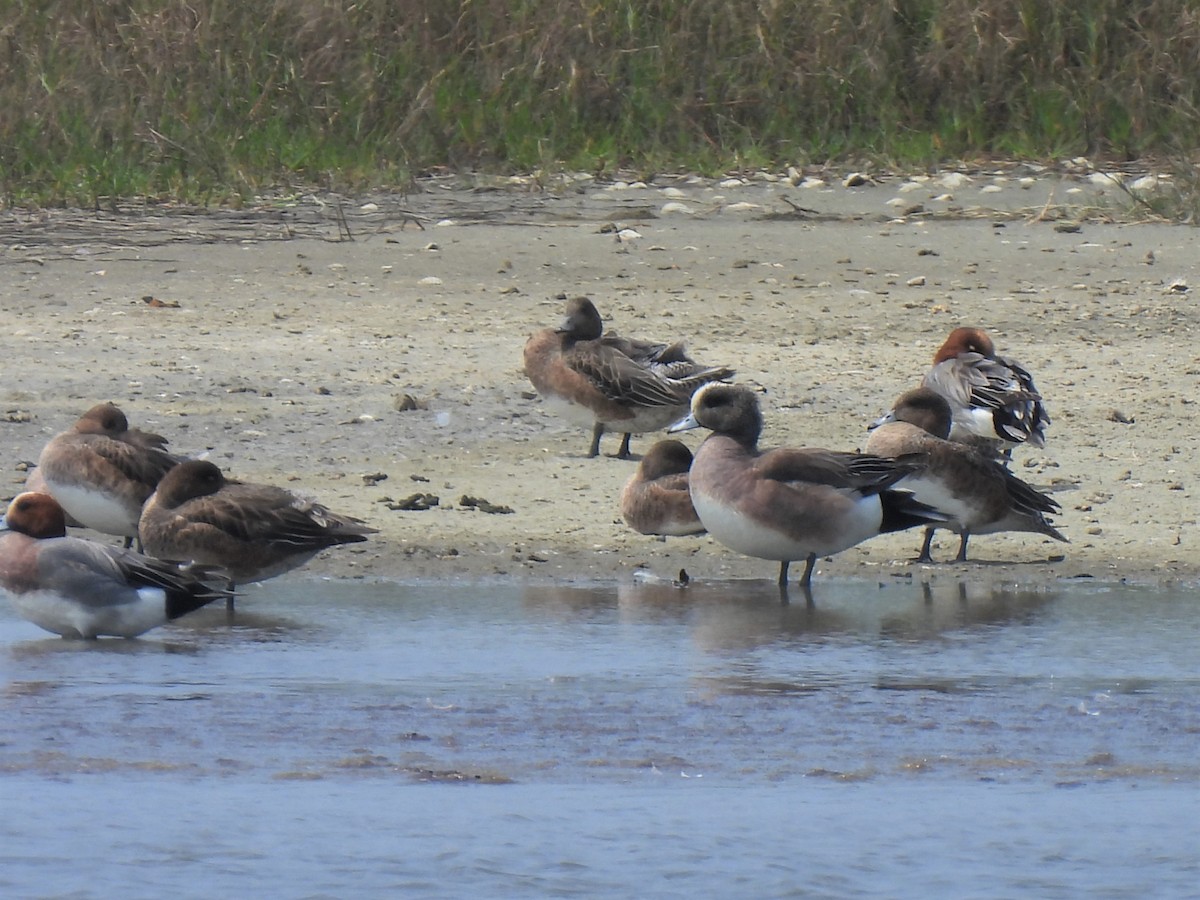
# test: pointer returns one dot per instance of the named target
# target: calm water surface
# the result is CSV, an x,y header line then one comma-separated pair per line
x,y
354,739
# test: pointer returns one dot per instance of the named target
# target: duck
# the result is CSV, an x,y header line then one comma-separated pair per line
x,y
253,531
994,402
82,589
979,494
36,483
101,471
655,499
610,382
789,504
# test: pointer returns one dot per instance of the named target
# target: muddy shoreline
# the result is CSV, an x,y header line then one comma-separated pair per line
x,y
364,351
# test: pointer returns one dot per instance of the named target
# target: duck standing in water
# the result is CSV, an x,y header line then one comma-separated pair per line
x,y
81,589
789,504
253,531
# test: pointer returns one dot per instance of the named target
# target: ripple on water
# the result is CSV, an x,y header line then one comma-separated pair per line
x,y
701,736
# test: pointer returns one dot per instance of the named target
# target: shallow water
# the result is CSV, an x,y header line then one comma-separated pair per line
x,y
350,738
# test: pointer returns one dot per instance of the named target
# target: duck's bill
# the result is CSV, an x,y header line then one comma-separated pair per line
x,y
889,416
687,423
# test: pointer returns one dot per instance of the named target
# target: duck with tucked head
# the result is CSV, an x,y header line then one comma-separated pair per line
x,y
788,504
80,589
656,499
979,494
253,531
101,471
609,382
993,400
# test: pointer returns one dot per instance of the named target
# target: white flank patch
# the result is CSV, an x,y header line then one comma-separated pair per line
x,y
977,422
933,492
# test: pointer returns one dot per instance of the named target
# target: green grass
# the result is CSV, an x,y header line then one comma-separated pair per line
x,y
211,101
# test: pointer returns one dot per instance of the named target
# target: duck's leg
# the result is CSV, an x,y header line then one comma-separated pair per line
x,y
597,430
805,581
809,565
962,547
925,555
623,453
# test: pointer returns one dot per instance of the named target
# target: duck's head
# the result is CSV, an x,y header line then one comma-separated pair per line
x,y
725,409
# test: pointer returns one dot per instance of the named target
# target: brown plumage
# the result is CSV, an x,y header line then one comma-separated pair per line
x,y
787,504
101,471
656,500
979,494
609,382
254,531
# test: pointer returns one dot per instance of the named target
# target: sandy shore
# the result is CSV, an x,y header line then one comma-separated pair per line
x,y
286,338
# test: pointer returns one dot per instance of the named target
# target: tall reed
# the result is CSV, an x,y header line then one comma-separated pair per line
x,y
201,100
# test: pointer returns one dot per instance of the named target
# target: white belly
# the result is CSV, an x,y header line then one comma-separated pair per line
x,y
96,510
72,618
753,537
654,418
572,412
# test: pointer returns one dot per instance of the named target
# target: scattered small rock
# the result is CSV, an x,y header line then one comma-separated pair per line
x,y
418,502
18,416
1068,228
675,209
407,403
419,478
482,505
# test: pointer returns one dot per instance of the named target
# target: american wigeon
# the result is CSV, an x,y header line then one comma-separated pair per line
x,y
789,504
101,471
978,494
80,589
253,531
992,399
656,500
612,382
